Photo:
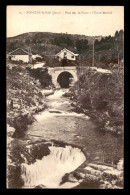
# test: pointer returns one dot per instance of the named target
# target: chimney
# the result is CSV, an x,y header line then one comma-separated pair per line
x,y
29,51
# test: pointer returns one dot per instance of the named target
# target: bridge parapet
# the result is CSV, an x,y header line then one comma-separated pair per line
x,y
64,68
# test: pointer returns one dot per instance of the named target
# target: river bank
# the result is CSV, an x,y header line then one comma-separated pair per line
x,y
31,150
102,119
25,98
52,164
100,96
57,140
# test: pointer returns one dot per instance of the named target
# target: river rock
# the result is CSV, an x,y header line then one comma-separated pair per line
x,y
119,181
112,174
81,180
79,175
100,167
41,186
91,171
47,92
110,185
78,110
67,94
39,108
71,178
64,179
97,158
113,182
90,177
106,186
55,111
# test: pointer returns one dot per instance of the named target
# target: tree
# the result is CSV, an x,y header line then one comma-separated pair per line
x,y
82,45
116,34
63,40
27,41
11,46
34,41
119,42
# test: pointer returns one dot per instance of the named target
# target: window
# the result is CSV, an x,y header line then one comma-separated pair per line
x,y
72,56
65,53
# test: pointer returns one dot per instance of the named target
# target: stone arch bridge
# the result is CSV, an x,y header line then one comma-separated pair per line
x,y
63,76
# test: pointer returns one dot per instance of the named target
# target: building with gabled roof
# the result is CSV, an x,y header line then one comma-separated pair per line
x,y
21,54
66,54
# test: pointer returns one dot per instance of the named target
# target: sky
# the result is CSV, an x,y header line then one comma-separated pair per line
x,y
83,20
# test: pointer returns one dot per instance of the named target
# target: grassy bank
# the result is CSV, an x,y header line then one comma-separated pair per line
x,y
24,97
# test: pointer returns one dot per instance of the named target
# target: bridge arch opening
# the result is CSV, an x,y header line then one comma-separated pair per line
x,y
64,79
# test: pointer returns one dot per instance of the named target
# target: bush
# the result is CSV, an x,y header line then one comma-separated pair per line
x,y
42,75
52,62
39,59
102,94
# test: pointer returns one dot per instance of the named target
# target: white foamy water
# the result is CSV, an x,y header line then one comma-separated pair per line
x,y
57,103
57,94
50,169
46,114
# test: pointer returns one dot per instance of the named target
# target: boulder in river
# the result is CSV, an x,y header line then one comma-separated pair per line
x,y
41,186
71,178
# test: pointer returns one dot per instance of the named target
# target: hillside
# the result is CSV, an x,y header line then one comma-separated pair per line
x,y
46,43
46,36
107,50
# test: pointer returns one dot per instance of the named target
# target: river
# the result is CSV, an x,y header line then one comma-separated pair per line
x,y
59,123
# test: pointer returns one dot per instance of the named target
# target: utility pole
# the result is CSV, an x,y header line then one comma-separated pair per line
x,y
117,51
93,52
30,55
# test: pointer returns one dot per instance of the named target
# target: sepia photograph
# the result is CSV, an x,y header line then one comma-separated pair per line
x,y
64,97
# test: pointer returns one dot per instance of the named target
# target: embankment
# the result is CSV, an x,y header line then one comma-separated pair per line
x,y
25,98
100,96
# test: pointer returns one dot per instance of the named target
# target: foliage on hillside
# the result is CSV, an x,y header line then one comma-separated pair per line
x,y
107,50
102,95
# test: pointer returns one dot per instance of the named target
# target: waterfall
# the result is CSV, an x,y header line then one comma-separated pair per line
x,y
50,169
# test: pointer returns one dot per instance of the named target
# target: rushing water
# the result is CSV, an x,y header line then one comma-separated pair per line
x,y
50,170
59,123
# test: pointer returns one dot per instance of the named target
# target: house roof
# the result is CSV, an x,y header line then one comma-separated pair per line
x,y
19,51
67,51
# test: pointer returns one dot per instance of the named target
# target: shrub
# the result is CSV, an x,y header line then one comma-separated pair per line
x,y
102,93
39,59
42,75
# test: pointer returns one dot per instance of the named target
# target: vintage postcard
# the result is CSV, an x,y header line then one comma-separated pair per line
x,y
65,97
